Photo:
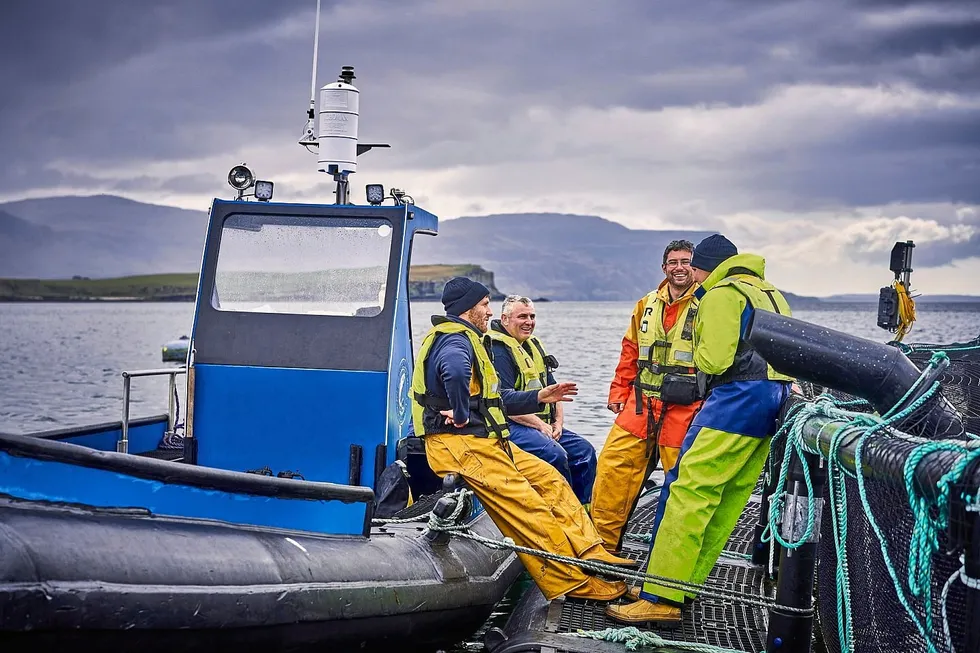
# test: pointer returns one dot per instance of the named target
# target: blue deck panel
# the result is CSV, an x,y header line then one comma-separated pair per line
x,y
142,438
299,420
43,480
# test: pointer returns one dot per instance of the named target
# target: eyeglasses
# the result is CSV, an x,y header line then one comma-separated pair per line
x,y
674,263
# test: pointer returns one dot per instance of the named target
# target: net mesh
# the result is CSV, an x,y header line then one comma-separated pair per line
x,y
879,621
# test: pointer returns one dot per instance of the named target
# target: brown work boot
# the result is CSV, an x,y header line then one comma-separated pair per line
x,y
643,612
599,554
596,589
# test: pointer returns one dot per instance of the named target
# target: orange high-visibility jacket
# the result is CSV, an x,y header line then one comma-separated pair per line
x,y
621,390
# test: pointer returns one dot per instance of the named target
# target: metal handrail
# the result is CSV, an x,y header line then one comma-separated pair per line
x,y
122,446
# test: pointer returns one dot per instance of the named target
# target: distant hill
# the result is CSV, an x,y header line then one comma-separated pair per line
x,y
558,256
98,236
539,254
425,283
154,287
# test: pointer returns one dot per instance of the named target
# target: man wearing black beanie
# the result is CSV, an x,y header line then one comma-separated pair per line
x,y
726,447
459,411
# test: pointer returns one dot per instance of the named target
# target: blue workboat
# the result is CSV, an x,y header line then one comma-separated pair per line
x,y
249,523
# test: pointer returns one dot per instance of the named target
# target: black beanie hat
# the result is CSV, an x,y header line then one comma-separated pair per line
x,y
462,294
710,252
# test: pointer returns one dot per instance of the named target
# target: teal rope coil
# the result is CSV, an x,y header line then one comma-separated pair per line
x,y
931,516
635,638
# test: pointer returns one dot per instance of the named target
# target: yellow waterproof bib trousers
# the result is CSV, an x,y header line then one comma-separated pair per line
x,y
714,482
528,500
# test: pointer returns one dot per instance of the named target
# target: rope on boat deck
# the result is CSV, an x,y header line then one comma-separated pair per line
x,y
452,524
459,494
407,520
438,524
646,538
634,638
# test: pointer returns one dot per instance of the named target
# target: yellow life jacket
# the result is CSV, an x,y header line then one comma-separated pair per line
x,y
761,296
486,407
532,367
664,352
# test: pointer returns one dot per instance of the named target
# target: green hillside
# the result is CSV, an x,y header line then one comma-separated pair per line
x,y
151,287
425,282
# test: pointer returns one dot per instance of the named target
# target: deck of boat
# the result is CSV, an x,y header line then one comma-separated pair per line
x,y
537,625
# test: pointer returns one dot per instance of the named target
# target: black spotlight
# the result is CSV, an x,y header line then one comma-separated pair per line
x,y
240,178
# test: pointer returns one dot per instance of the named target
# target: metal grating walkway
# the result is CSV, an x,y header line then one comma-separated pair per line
x,y
707,621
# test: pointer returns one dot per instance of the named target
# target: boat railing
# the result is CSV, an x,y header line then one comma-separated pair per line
x,y
122,446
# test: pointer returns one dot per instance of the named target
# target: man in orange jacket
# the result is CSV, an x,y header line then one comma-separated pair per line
x,y
654,394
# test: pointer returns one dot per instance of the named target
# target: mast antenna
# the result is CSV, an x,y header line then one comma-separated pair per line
x,y
309,133
334,132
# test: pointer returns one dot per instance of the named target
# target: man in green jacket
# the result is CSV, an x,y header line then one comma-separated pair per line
x,y
725,448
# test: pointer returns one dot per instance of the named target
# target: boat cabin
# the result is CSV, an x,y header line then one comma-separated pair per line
x,y
299,367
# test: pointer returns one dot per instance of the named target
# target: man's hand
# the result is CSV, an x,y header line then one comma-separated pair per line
x,y
556,430
532,422
557,392
616,408
448,414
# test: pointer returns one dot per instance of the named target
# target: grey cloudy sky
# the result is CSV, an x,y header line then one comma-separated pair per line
x,y
816,132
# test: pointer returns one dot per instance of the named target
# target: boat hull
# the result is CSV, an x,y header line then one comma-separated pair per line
x,y
125,580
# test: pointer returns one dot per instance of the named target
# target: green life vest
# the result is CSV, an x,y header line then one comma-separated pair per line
x,y
532,368
761,296
664,352
486,408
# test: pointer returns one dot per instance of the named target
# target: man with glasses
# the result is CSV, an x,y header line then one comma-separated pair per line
x,y
655,394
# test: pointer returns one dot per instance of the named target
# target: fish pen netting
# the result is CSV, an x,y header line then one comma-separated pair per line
x,y
877,588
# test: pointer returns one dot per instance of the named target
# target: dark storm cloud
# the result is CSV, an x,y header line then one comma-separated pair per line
x,y
110,81
936,254
50,42
105,85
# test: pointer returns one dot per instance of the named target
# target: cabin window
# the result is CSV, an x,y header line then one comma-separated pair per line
x,y
303,265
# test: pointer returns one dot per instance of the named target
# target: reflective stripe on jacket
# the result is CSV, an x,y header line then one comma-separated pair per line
x,y
529,358
664,351
637,415
486,418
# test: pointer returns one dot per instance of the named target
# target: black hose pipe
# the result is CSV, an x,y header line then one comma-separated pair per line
x,y
877,372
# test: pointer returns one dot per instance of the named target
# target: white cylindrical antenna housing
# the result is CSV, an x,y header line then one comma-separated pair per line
x,y
337,122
